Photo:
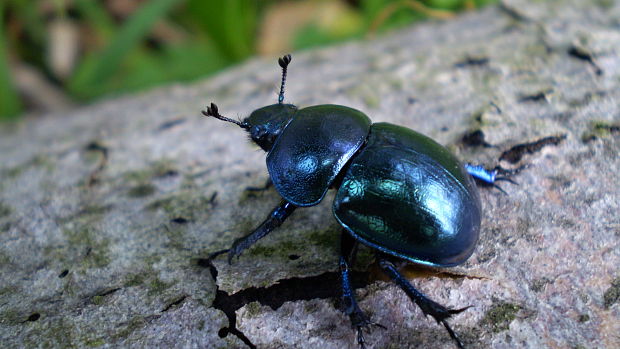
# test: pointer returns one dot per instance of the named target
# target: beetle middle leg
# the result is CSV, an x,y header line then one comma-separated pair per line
x,y
359,320
274,220
428,306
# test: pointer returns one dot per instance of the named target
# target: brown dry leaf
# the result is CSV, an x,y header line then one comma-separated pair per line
x,y
283,20
63,47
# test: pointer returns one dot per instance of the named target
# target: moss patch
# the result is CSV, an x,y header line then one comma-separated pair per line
x,y
97,250
157,286
88,214
51,334
158,169
259,250
599,129
184,204
326,239
252,309
135,323
539,284
11,317
500,316
612,295
98,300
95,343
4,210
135,280
141,190
36,161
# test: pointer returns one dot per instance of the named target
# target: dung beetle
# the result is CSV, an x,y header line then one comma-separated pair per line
x,y
398,191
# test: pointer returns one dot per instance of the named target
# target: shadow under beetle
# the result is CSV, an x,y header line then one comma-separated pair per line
x,y
399,192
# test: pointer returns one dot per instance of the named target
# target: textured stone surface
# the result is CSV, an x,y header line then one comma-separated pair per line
x,y
106,213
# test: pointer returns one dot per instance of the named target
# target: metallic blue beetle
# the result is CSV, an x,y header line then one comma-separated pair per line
x,y
399,191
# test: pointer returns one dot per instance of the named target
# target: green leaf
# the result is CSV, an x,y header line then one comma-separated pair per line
x,y
229,23
445,4
95,69
10,105
97,17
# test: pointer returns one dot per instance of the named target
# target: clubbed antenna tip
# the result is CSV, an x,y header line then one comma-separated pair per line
x,y
214,112
283,62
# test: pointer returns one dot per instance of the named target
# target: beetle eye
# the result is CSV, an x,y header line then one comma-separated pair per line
x,y
257,132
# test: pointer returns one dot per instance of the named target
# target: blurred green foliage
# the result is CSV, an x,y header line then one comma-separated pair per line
x,y
9,102
121,52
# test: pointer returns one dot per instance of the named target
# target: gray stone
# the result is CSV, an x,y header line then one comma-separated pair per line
x,y
107,212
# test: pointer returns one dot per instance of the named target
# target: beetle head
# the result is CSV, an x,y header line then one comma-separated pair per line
x,y
266,123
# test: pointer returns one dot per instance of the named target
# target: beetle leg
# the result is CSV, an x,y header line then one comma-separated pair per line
x,y
428,306
274,220
359,320
490,177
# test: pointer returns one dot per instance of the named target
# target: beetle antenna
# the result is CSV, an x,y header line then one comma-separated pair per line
x,y
212,111
283,62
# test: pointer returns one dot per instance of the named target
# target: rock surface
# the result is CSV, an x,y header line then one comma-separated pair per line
x,y
107,213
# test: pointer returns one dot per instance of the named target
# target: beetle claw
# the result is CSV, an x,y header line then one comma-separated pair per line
x,y
460,310
360,321
500,189
452,334
232,253
506,179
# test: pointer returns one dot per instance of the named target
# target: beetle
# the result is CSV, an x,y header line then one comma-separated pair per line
x,y
398,192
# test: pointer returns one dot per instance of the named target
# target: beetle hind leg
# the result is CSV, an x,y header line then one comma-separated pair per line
x,y
359,320
428,306
490,177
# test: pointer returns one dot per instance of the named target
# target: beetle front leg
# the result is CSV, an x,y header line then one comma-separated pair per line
x,y
428,306
274,220
359,320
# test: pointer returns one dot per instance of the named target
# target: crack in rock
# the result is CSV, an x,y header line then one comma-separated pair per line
x,y
516,153
475,138
323,286
175,303
584,55
540,96
96,146
470,61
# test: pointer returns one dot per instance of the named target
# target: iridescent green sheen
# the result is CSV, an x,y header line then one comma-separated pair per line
x,y
408,196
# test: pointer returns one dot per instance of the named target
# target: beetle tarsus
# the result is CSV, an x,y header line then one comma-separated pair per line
x,y
452,334
359,320
490,177
363,323
428,306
